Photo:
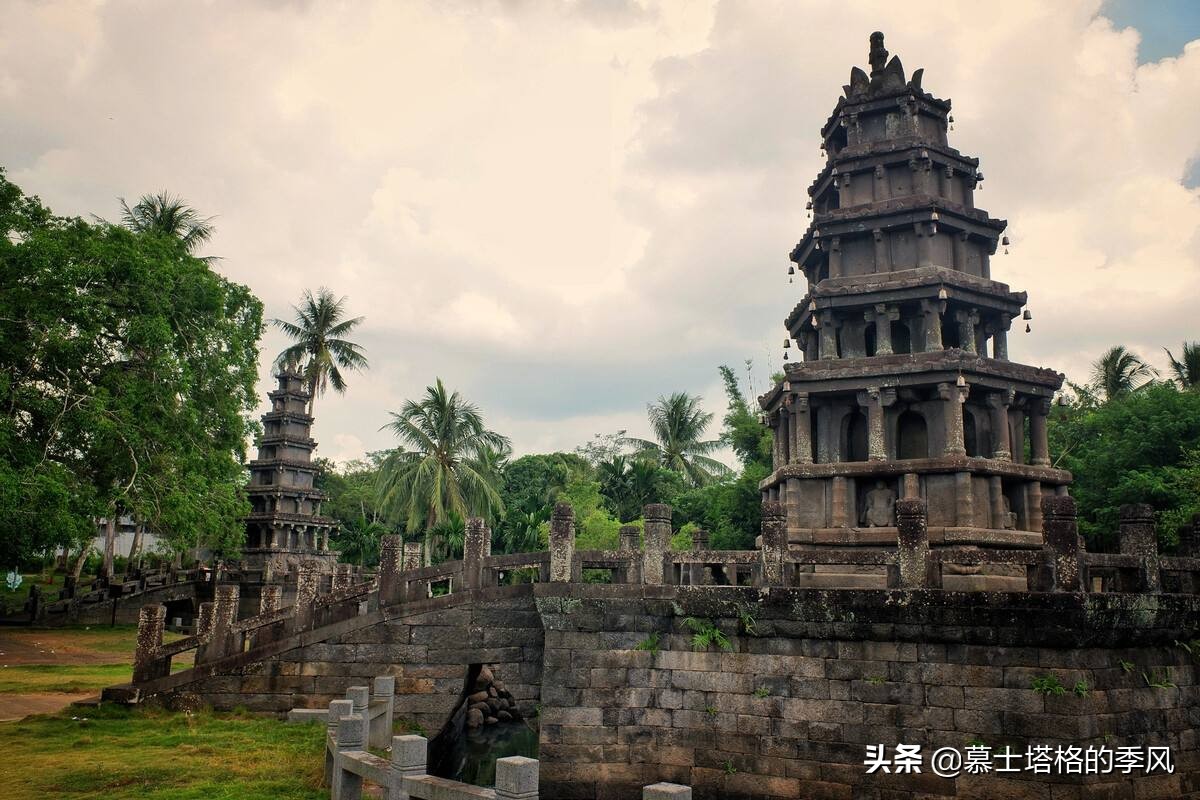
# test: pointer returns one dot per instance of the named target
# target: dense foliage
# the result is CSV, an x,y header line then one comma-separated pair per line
x,y
1141,446
127,376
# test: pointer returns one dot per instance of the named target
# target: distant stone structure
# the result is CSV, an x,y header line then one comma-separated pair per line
x,y
905,389
285,526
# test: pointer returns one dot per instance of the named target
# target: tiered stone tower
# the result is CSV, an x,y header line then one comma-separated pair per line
x,y
285,525
905,389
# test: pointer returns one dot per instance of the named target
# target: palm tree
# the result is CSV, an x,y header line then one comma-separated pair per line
x,y
359,540
448,538
678,423
446,467
520,533
167,214
319,347
1187,367
1119,372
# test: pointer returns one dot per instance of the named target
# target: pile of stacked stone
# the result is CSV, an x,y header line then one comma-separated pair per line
x,y
490,702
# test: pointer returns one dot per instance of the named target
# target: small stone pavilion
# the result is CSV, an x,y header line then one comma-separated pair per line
x,y
285,525
905,388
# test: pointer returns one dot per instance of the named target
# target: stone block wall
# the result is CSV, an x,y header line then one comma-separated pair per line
x,y
789,711
428,646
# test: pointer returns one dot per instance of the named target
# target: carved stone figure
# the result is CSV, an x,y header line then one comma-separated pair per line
x,y
881,507
1009,518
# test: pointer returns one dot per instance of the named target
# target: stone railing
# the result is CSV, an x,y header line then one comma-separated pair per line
x,y
363,721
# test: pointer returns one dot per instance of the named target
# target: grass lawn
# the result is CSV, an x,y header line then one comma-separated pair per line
x,y
71,660
115,753
14,599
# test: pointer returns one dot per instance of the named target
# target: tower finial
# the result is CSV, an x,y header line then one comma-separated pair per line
x,y
879,54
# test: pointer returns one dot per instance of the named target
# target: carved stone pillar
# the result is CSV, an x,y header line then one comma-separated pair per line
x,y
965,499
882,318
1033,505
777,449
875,400
835,257
946,183
774,543
998,404
1138,538
1039,409
882,261
1062,541
960,250
828,338
924,234
562,543
656,540
931,316
783,434
996,496
801,428
839,503
912,486
912,539
1000,338
954,397
879,190
967,321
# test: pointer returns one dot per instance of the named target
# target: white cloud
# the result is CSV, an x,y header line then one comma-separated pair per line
x,y
567,210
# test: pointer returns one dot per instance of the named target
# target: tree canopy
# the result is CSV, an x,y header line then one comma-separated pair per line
x,y
320,349
127,379
678,424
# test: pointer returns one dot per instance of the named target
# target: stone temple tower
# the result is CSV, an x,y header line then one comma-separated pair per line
x,y
905,388
285,524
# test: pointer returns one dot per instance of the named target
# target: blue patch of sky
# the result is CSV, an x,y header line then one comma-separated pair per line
x,y
1165,25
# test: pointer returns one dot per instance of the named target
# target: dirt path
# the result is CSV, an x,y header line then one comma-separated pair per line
x,y
18,706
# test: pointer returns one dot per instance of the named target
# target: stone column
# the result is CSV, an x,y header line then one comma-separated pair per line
x,y
996,495
777,448
875,400
783,435
882,262
967,321
308,581
629,539
270,598
341,577
964,496
1033,505
1039,409
223,641
1138,538
562,543
835,257
960,250
391,587
516,778
828,344
839,503
952,413
924,233
337,710
656,540
146,663
912,539
881,316
912,486
774,543
412,555
801,428
931,325
700,575
473,547
1062,541
998,405
1000,338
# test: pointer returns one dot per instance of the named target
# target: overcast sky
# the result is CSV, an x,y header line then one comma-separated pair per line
x,y
566,210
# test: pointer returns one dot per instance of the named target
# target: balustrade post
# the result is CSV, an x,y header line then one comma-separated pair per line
x,y
222,640
666,791
774,542
412,555
341,577
516,778
473,550
147,664
562,543
381,726
912,543
1138,538
656,541
337,710
409,756
307,585
351,737
1061,535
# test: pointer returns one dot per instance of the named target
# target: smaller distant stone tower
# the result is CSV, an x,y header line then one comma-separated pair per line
x,y
285,525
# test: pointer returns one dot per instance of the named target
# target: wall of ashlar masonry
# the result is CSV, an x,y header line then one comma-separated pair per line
x,y
789,712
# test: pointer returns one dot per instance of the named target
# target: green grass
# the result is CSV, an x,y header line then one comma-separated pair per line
x,y
106,653
114,753
13,600
66,679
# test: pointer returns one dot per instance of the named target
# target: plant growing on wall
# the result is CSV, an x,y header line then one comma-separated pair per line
x,y
705,634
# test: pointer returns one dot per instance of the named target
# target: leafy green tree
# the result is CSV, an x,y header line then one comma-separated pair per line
x,y
1186,368
1119,372
443,465
1141,447
447,538
532,483
319,348
730,509
628,484
744,432
521,530
678,424
127,379
168,215
358,541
